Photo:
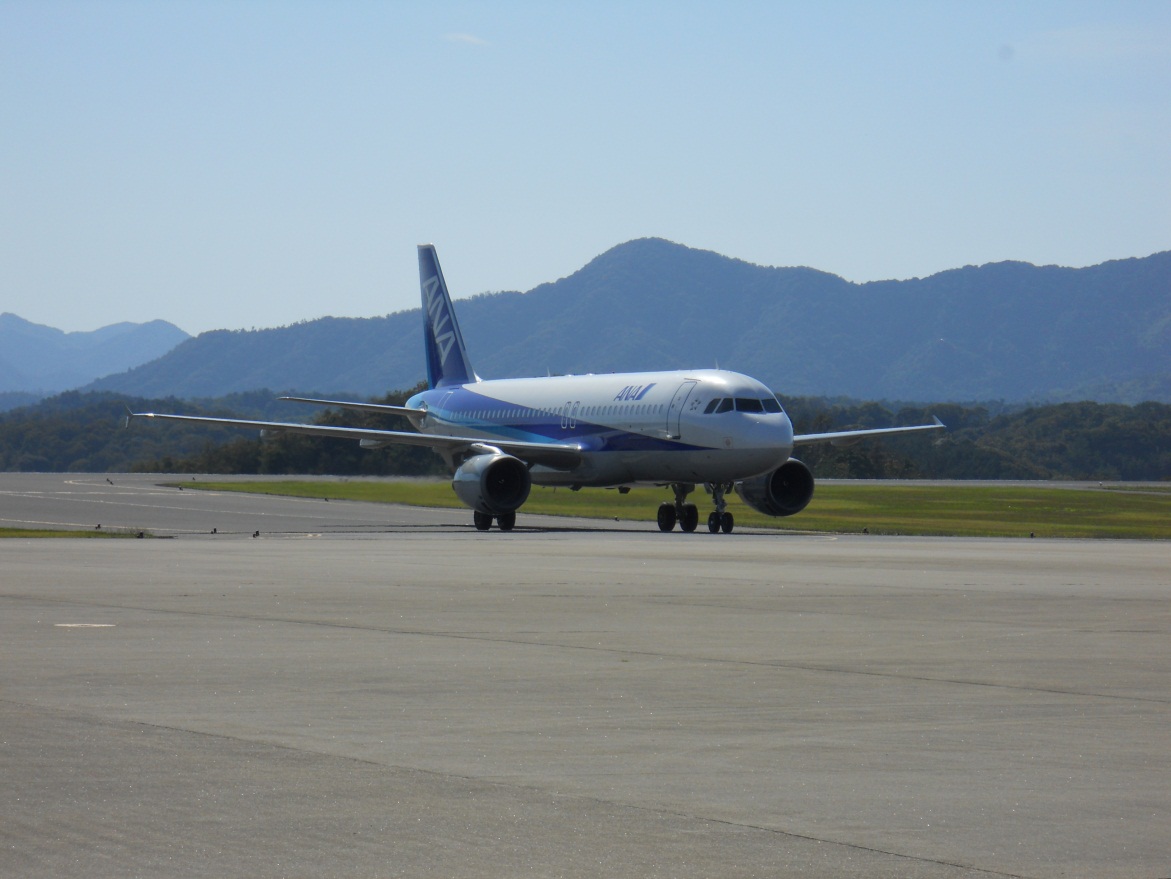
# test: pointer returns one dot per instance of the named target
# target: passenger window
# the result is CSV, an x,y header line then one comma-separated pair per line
x,y
748,404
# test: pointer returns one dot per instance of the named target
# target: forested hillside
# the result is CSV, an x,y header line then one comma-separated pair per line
x,y
84,433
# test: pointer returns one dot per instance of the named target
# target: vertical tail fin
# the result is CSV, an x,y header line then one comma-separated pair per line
x,y
447,358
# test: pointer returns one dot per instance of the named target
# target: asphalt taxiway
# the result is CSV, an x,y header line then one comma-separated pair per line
x,y
383,691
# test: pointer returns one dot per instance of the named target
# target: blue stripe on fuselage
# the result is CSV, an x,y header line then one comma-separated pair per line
x,y
529,424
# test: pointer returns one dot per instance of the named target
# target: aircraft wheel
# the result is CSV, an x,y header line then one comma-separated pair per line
x,y
726,523
690,518
666,516
483,521
713,522
506,521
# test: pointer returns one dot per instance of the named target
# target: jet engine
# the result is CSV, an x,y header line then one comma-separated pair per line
x,y
783,492
492,483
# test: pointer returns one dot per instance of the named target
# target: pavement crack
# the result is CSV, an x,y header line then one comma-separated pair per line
x,y
496,782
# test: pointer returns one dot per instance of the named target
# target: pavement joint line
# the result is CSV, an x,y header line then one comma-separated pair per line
x,y
552,645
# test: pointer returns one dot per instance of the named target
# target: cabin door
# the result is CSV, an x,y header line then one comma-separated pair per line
x,y
675,410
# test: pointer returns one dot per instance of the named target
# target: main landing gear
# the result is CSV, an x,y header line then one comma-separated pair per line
x,y
483,521
687,515
684,513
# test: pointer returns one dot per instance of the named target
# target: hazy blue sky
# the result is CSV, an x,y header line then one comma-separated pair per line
x,y
240,164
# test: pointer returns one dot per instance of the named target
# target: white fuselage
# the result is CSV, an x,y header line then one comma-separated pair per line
x,y
653,427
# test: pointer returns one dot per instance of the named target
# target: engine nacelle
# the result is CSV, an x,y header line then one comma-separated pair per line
x,y
492,483
785,491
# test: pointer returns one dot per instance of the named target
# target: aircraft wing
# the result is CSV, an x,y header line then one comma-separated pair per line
x,y
560,456
849,437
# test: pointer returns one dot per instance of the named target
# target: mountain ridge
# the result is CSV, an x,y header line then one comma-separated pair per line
x,y
35,358
1008,330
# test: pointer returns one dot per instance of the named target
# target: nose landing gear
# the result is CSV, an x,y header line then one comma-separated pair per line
x,y
717,522
687,515
720,519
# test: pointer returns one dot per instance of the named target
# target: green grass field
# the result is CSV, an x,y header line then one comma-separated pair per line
x,y
49,532
879,507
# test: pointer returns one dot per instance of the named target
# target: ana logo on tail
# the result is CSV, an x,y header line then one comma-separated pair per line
x,y
438,318
447,358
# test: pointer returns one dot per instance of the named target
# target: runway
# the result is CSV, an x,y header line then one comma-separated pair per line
x,y
383,691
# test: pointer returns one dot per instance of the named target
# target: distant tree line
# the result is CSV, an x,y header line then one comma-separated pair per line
x,y
76,432
1080,441
290,453
87,433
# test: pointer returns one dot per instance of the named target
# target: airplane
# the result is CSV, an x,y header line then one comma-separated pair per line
x,y
678,428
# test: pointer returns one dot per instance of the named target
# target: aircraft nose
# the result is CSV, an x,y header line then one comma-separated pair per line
x,y
773,430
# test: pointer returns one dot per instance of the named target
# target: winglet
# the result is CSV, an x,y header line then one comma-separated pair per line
x,y
447,358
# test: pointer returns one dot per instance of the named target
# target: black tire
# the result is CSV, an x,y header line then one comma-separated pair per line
x,y
506,521
482,521
713,522
689,521
727,522
666,517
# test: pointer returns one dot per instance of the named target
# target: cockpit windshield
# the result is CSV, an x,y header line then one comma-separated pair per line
x,y
742,404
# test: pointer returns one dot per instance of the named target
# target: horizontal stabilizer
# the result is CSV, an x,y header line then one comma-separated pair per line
x,y
559,456
384,408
